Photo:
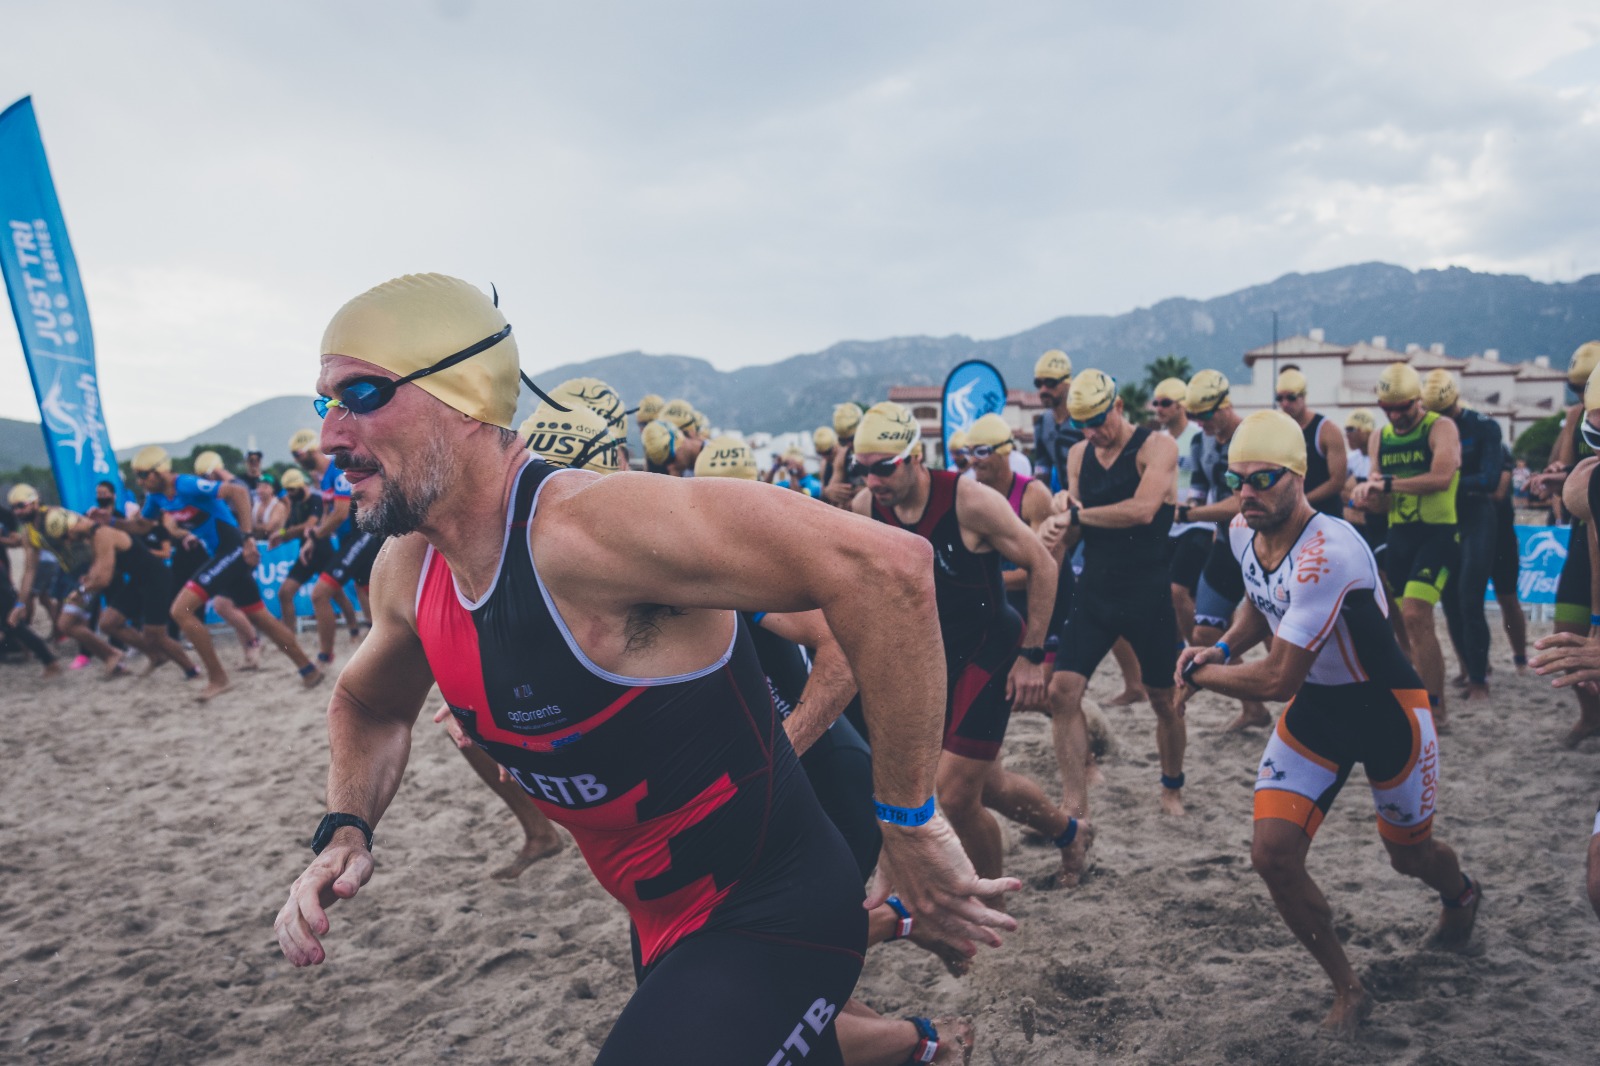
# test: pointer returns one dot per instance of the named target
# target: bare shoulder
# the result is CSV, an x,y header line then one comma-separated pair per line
x,y
395,573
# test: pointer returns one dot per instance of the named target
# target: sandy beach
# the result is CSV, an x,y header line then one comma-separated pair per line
x,y
146,844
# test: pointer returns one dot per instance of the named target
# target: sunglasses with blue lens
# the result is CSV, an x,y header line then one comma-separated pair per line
x,y
1089,423
1261,480
365,395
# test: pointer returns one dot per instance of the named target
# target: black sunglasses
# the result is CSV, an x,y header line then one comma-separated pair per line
x,y
1162,403
881,468
1089,423
1285,397
1261,480
1047,383
365,395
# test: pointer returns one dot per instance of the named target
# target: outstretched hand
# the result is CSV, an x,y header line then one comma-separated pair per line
x,y
927,868
338,873
1573,656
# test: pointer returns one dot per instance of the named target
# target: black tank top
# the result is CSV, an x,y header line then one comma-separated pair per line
x,y
1317,467
135,565
970,591
682,793
1116,556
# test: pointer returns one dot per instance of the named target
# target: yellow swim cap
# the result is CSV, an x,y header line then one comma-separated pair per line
x,y
887,429
293,479
991,429
958,441
598,397
824,439
702,424
206,463
661,440
679,412
846,417
1269,437
1208,391
1053,364
650,408
1092,394
1584,360
1439,392
304,440
413,322
579,438
1399,383
1360,418
1174,389
1591,390
58,522
1291,380
151,457
726,457
22,494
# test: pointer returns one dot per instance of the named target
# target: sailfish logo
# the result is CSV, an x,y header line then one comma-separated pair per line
x,y
61,417
959,404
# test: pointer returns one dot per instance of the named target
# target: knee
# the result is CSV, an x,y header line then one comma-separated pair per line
x,y
960,794
1411,859
1276,865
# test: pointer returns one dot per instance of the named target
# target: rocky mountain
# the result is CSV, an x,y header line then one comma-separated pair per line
x,y
1464,310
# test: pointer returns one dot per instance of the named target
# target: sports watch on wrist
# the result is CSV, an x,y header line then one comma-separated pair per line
x,y
1034,655
331,823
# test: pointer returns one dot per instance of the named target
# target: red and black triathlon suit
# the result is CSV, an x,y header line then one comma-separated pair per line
x,y
1124,590
687,802
981,631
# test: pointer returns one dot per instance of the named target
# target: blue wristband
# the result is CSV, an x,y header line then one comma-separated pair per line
x,y
905,815
1227,652
1594,619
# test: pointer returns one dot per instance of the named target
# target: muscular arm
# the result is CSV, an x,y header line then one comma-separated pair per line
x,y
1277,677
105,559
332,518
984,511
1157,480
1332,440
1035,509
1484,473
831,686
237,497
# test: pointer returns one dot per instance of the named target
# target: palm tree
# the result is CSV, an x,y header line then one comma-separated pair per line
x,y
1135,402
1168,366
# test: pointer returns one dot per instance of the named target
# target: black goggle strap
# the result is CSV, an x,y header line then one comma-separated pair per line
x,y
589,448
526,380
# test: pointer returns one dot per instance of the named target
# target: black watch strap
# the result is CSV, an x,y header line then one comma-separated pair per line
x,y
1033,655
331,823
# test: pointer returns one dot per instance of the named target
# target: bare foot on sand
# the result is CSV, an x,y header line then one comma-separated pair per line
x,y
1075,856
1128,697
532,851
1455,926
252,655
1250,717
956,1040
1092,774
954,961
1172,802
1350,1009
213,690
152,665
1583,729
314,678
114,667
1476,691
53,668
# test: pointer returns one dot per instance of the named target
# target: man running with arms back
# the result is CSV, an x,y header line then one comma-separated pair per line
x,y
602,666
1313,586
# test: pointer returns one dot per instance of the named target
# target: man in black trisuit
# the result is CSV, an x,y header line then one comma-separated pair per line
x,y
1327,463
1121,482
605,668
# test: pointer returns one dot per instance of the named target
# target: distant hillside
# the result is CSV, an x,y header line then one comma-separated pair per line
x,y
21,444
1465,311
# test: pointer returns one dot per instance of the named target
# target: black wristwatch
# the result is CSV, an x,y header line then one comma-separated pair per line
x,y
1033,655
1072,515
1183,513
331,823
1388,483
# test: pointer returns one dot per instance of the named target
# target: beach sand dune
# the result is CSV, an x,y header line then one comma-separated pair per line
x,y
146,844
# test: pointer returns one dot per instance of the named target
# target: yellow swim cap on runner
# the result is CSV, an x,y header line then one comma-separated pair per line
x,y
206,463
678,412
1174,389
824,439
59,522
1291,380
958,441
151,457
661,440
992,430
1208,391
1399,383
1269,437
846,417
1584,360
1092,393
1053,364
650,408
293,479
1360,418
726,457
1591,390
566,437
304,440
1439,391
887,429
22,494
702,424
598,397
412,322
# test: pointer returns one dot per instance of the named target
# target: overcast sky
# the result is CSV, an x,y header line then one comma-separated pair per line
x,y
744,181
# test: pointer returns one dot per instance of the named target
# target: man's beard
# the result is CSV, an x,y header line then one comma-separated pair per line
x,y
402,508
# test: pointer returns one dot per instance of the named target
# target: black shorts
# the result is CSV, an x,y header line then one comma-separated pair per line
x,y
1572,591
1421,559
1507,568
839,766
1189,552
1221,586
355,559
976,709
1141,612
146,602
227,574
303,570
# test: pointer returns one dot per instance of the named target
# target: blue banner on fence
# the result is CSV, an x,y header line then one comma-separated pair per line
x,y
1543,551
52,315
973,389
